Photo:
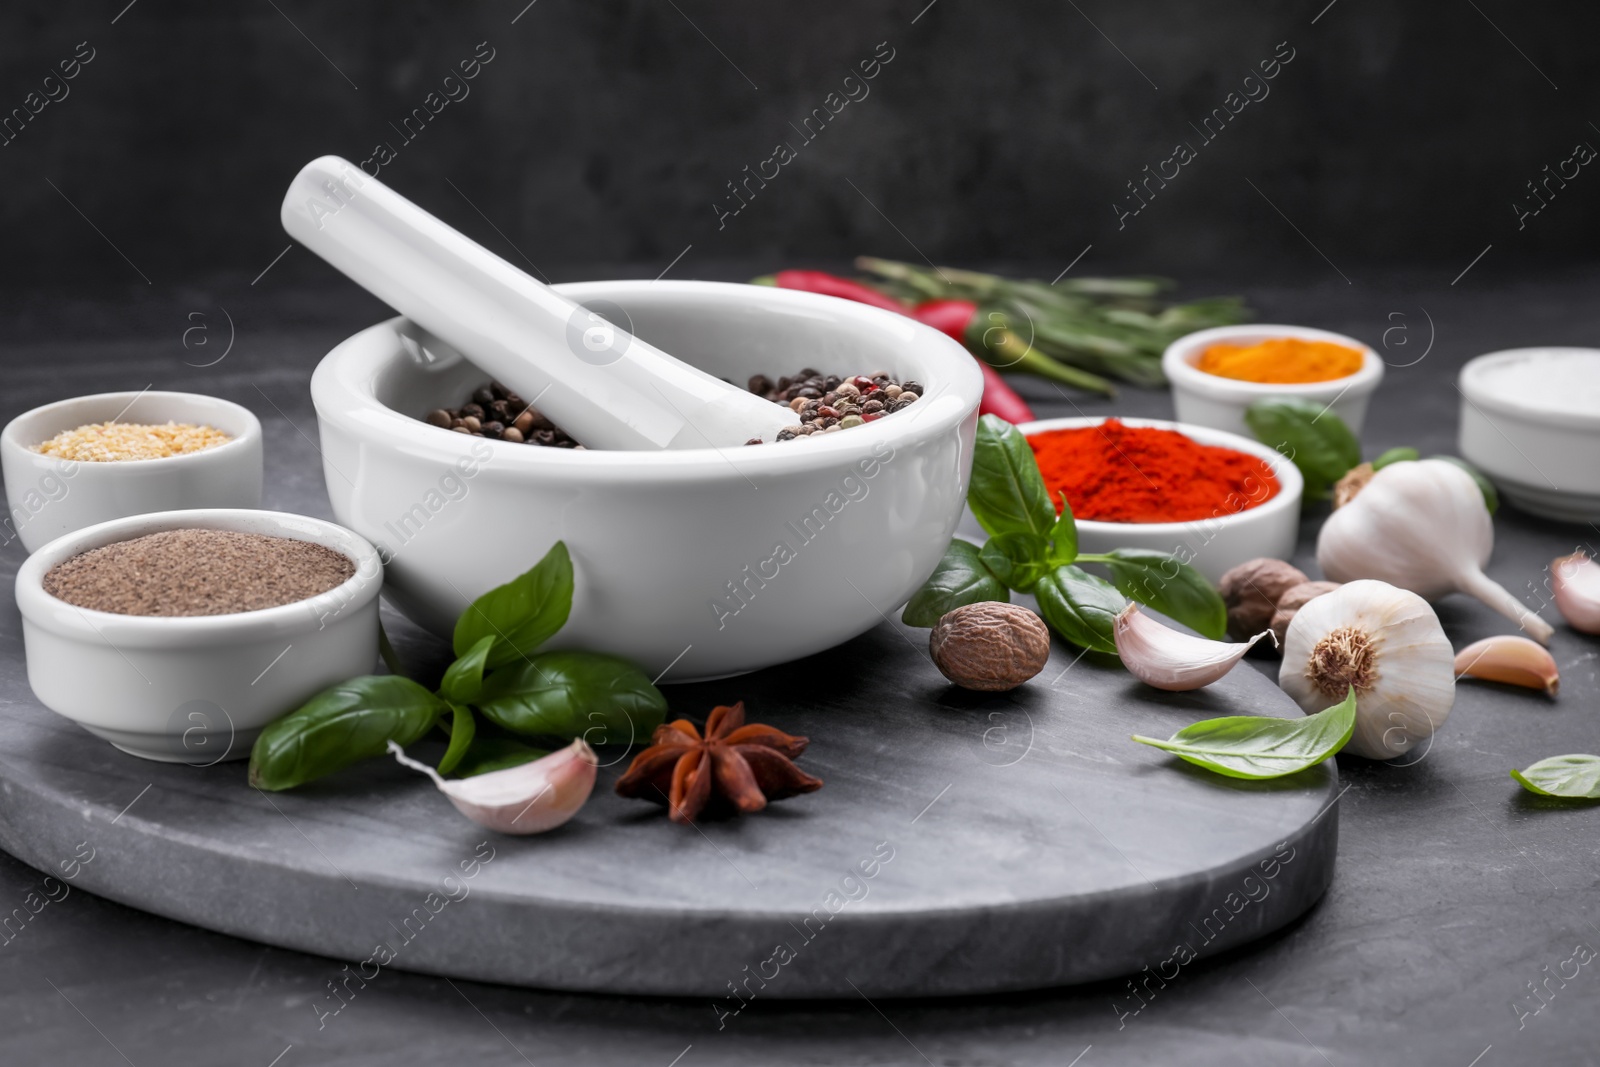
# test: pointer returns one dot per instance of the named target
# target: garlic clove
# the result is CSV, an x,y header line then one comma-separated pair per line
x,y
1160,656
527,799
1575,579
1510,659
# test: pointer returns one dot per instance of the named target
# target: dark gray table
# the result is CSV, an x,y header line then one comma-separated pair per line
x,y
1453,892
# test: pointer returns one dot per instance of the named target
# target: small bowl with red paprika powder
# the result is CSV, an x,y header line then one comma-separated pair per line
x,y
1212,499
1216,374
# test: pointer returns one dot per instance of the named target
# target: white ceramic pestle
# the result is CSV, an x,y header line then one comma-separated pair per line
x,y
605,387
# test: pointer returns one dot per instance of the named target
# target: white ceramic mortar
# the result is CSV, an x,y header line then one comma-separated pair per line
x,y
708,562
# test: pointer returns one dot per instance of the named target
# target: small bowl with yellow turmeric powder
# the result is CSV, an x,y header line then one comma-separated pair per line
x,y
1216,374
90,459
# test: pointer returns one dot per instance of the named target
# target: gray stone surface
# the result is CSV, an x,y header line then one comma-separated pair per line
x,y
964,843
1454,890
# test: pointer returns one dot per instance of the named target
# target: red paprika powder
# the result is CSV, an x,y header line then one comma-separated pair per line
x,y
1118,473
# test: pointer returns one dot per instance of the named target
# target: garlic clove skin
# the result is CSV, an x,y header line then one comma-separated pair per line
x,y
1575,580
1162,657
527,799
1510,659
1385,641
1421,526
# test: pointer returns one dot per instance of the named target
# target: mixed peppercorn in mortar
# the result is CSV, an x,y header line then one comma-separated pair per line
x,y
822,403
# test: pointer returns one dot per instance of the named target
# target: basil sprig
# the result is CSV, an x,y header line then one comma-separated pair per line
x,y
1574,777
1310,436
960,578
516,689
1259,746
1031,549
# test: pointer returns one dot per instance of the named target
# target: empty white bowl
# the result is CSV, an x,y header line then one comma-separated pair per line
x,y
49,496
1529,425
1214,545
195,689
708,562
1202,399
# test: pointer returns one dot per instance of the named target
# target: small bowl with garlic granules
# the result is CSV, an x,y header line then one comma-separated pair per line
x,y
90,459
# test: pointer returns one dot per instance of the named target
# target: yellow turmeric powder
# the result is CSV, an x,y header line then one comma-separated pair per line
x,y
1281,360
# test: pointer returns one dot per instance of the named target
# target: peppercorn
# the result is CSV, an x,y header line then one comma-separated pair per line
x,y
475,410
439,417
513,435
483,396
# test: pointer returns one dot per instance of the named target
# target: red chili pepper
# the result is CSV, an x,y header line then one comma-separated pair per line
x,y
816,281
951,317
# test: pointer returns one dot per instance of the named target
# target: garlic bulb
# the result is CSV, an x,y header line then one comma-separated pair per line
x,y
1575,579
1167,659
1388,644
527,799
1421,526
1510,659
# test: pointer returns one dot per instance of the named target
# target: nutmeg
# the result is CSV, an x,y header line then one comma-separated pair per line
x,y
990,646
1293,599
1251,591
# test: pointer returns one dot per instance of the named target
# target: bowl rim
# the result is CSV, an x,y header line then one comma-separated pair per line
x,y
1182,372
342,390
1475,392
1291,485
188,632
11,435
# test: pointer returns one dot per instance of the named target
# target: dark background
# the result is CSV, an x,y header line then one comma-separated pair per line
x,y
603,133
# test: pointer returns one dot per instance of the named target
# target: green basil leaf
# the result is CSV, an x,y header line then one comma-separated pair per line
x,y
1403,454
1080,607
464,677
343,724
1575,776
960,578
496,754
604,699
1491,496
462,729
1017,559
1256,746
522,614
1310,436
1175,589
1064,535
1007,495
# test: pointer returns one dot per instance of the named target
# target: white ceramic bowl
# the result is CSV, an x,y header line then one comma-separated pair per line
x,y
710,562
1202,399
48,496
195,689
1213,546
1540,446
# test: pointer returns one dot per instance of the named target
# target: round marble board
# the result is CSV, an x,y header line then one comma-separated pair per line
x,y
963,843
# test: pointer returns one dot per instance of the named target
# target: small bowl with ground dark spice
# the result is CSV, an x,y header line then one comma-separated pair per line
x,y
177,636
91,459
1211,498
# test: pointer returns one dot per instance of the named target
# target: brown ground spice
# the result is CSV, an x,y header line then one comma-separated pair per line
x,y
197,572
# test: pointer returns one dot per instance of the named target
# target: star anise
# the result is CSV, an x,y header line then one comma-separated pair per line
x,y
733,766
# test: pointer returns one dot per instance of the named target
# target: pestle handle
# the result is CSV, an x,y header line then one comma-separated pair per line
x,y
605,387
